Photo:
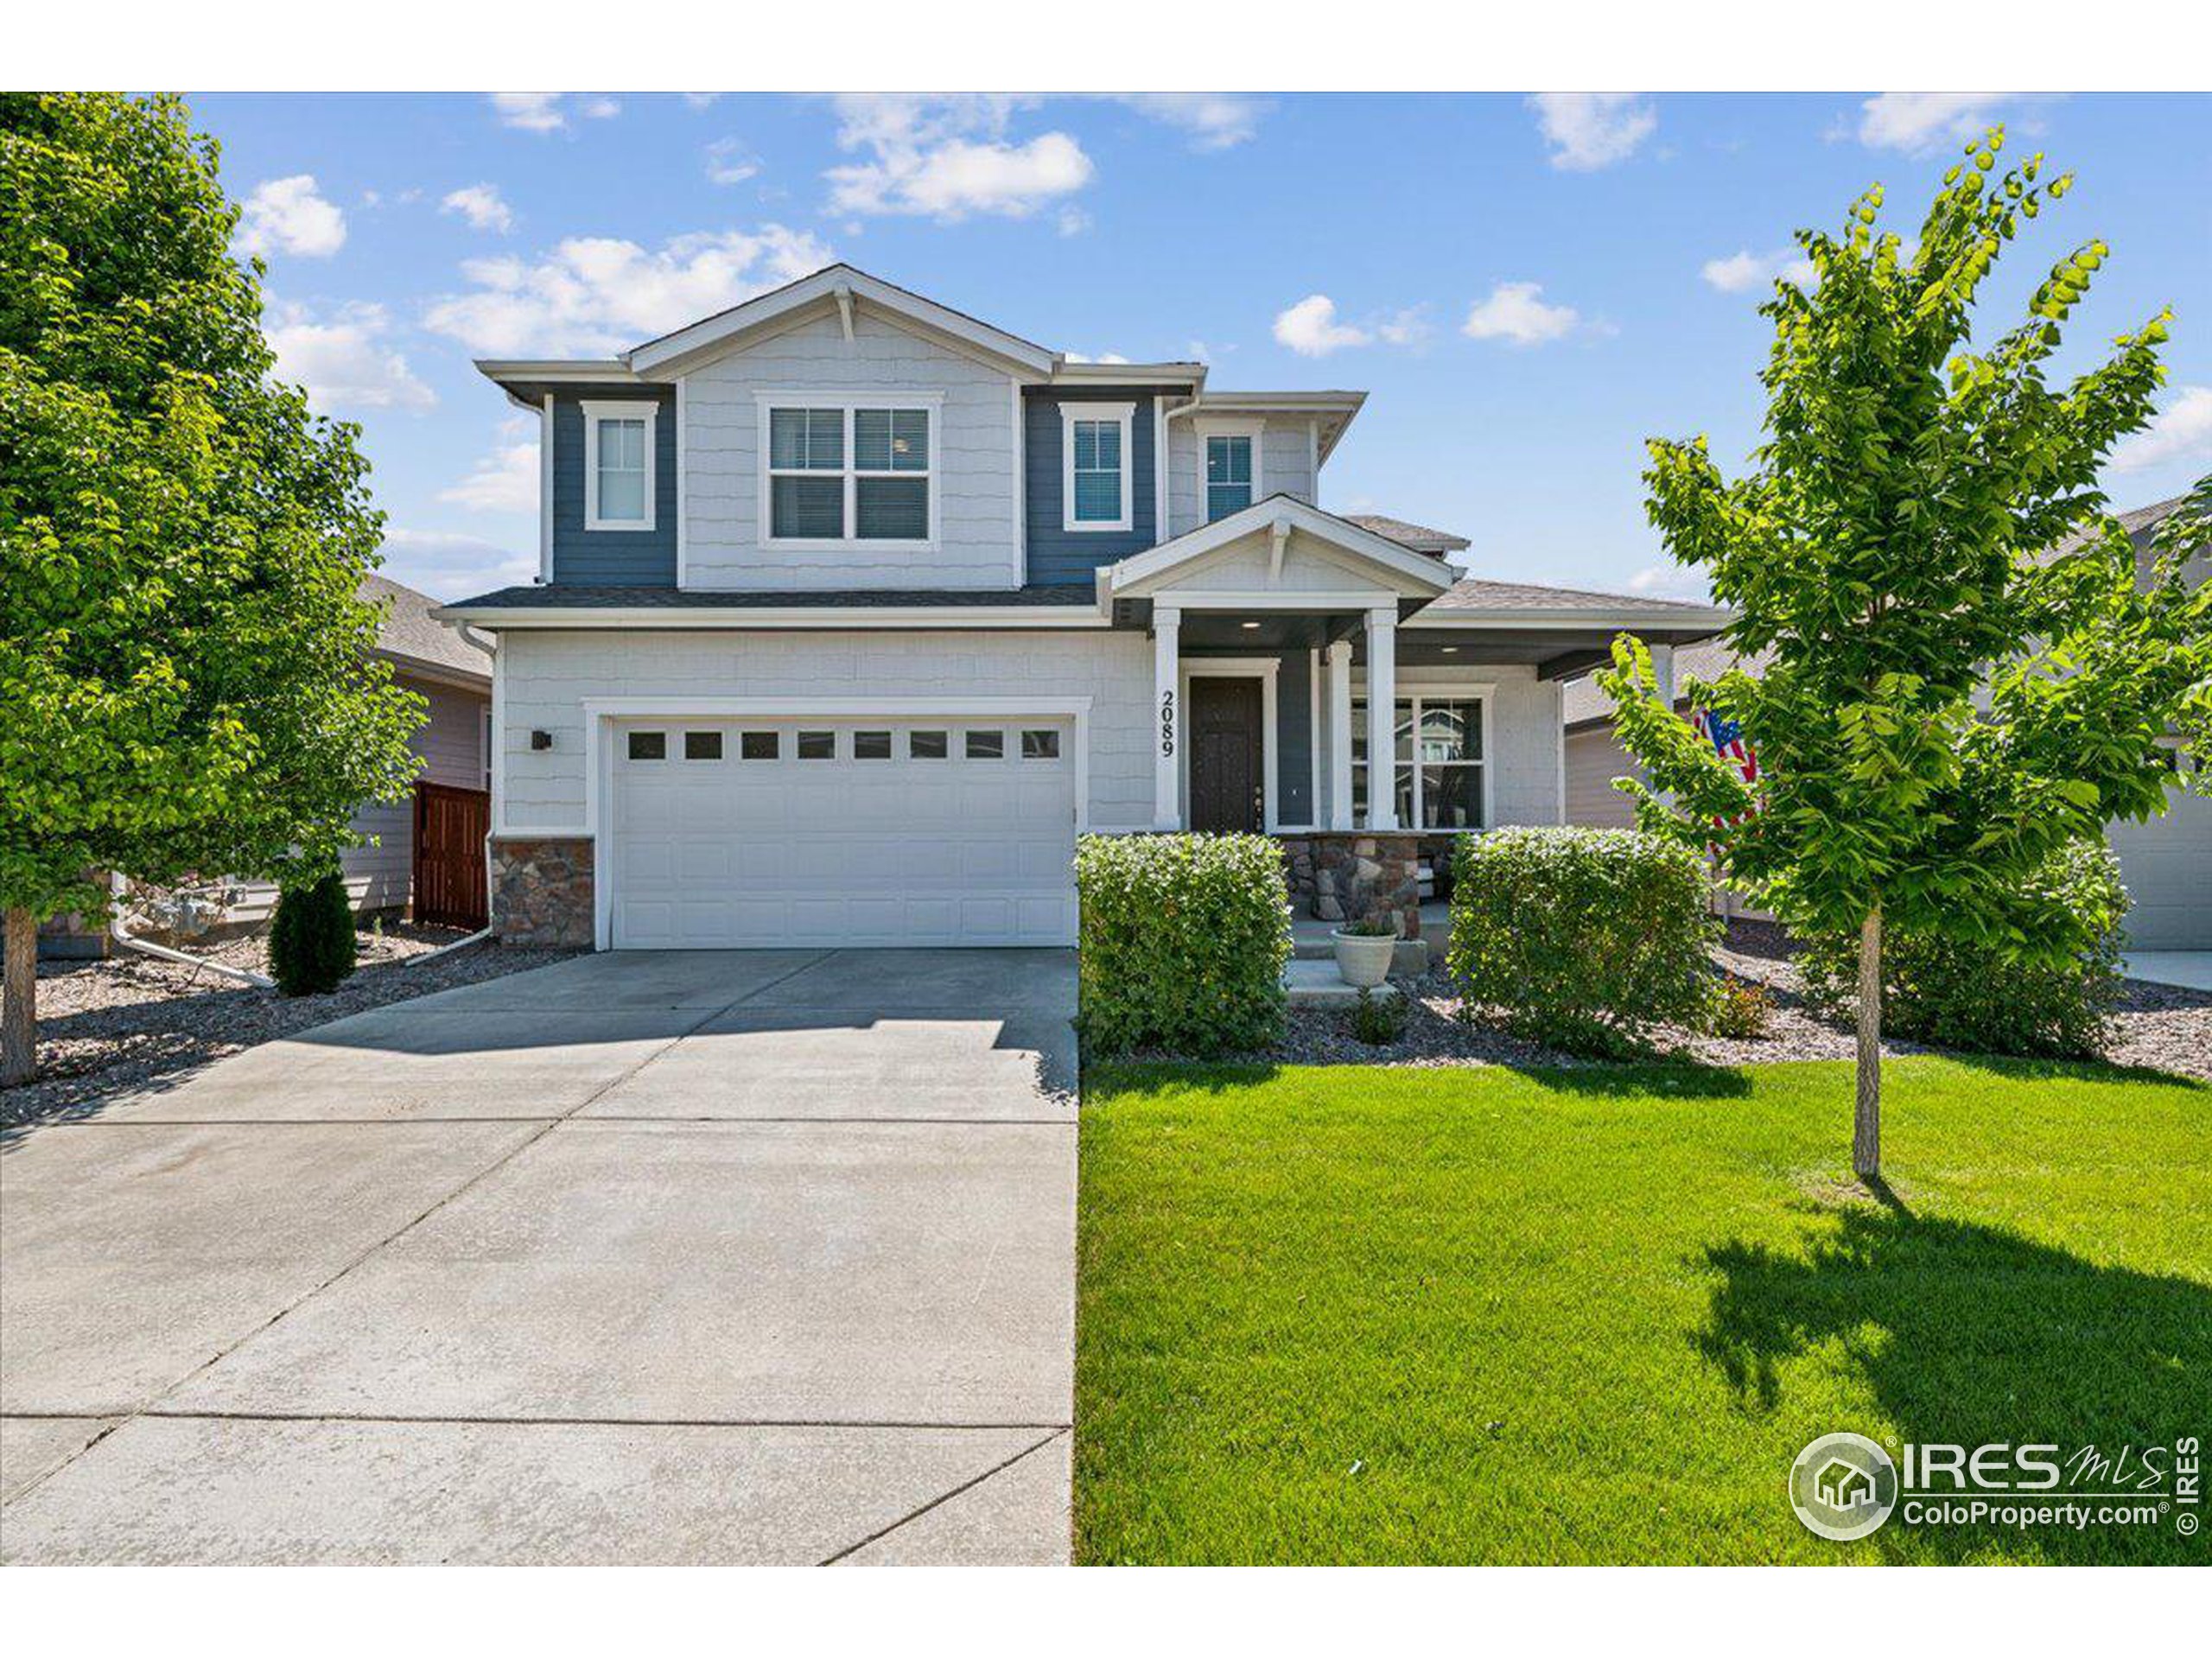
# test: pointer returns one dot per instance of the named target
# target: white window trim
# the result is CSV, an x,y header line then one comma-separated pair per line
x,y
933,402
1222,426
1266,669
597,410
1072,410
1484,691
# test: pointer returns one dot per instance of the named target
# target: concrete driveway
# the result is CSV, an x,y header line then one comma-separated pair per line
x,y
758,1257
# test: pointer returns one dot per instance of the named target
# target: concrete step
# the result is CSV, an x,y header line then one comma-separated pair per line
x,y
1311,984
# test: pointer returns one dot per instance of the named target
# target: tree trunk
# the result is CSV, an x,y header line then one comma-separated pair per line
x,y
1866,1118
19,1005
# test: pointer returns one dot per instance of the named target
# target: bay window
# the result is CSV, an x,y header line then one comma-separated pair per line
x,y
1438,760
849,472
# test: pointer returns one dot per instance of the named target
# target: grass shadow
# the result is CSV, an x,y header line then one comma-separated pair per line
x,y
1970,1334
1687,1078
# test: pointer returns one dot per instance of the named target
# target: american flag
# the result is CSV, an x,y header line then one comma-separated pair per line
x,y
1726,737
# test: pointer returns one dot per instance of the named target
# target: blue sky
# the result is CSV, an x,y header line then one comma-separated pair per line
x,y
1527,288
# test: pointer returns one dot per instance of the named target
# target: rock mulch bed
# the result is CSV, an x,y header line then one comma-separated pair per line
x,y
2165,1027
108,1026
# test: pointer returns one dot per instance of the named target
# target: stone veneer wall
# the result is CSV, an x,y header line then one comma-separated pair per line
x,y
542,890
1342,876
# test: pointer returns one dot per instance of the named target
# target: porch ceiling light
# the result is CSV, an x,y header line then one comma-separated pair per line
x,y
1250,625
1451,651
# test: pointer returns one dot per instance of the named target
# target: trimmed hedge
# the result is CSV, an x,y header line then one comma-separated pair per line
x,y
1582,938
1976,997
311,944
1183,942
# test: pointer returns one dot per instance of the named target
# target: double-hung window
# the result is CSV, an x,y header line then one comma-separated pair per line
x,y
850,472
618,464
1438,771
1231,454
1096,465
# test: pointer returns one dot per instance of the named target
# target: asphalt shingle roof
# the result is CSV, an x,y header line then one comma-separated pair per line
x,y
410,631
1477,594
553,596
1419,537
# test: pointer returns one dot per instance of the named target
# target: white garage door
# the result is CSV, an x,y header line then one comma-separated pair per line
x,y
2167,865
848,832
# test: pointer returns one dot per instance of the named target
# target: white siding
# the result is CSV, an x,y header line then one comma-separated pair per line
x,y
974,461
2165,864
1285,468
548,677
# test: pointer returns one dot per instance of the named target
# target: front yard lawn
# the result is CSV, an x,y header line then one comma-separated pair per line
x,y
1365,1314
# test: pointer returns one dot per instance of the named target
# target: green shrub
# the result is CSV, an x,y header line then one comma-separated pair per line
x,y
1992,997
1379,1020
1582,938
1740,1008
1184,942
311,946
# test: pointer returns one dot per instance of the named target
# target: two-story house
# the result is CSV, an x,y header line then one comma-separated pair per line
x,y
854,611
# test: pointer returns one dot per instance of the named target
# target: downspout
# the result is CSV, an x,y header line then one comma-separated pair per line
x,y
117,886
477,938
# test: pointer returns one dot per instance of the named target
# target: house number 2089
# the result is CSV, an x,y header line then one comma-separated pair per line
x,y
1167,722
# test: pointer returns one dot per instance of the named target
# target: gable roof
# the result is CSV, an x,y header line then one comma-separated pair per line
x,y
845,285
1415,573
410,634
1419,537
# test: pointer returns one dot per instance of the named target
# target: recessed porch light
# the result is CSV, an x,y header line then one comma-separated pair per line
x,y
1249,625
1451,651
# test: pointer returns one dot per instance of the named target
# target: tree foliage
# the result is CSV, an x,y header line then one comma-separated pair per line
x,y
185,682
1964,674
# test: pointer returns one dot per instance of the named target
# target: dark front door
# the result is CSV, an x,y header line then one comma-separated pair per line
x,y
1228,791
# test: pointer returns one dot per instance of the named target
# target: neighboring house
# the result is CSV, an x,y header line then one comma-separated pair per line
x,y
2164,863
450,802
854,611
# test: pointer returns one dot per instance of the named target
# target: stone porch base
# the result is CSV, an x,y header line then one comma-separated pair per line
x,y
1342,876
542,890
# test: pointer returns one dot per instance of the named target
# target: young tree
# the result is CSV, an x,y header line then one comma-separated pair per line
x,y
185,682
1957,685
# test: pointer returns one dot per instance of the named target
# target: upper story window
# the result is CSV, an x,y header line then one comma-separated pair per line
x,y
1232,463
1095,466
618,453
842,470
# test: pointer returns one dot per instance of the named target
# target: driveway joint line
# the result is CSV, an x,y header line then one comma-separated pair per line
x,y
943,1498
544,1128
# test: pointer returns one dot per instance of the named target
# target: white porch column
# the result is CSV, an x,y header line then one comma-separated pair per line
x,y
1167,632
1341,735
1381,709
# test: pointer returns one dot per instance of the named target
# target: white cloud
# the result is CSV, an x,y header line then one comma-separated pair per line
x,y
343,361
1670,582
1587,130
530,111
1515,313
601,294
2181,431
1744,270
1920,122
601,109
1406,328
448,566
728,161
504,480
1103,357
1073,221
700,100
287,216
1214,120
947,157
1311,328
482,206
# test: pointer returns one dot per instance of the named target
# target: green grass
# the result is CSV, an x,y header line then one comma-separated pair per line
x,y
1359,1314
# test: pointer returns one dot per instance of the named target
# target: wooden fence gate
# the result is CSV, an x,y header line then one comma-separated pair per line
x,y
450,826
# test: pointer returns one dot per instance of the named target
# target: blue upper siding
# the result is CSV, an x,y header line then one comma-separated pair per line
x,y
609,558
1057,554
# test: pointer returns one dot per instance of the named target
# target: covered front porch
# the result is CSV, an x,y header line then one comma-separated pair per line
x,y
1314,681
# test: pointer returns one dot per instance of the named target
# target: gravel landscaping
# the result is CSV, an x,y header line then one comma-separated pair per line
x,y
107,1026
2165,1027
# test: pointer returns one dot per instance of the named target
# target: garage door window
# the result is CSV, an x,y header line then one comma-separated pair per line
x,y
1041,745
703,746
871,746
928,746
986,746
760,745
649,746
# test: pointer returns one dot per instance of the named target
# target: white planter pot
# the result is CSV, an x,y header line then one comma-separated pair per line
x,y
1364,959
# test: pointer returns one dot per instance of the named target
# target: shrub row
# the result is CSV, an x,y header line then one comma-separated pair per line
x,y
1184,941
